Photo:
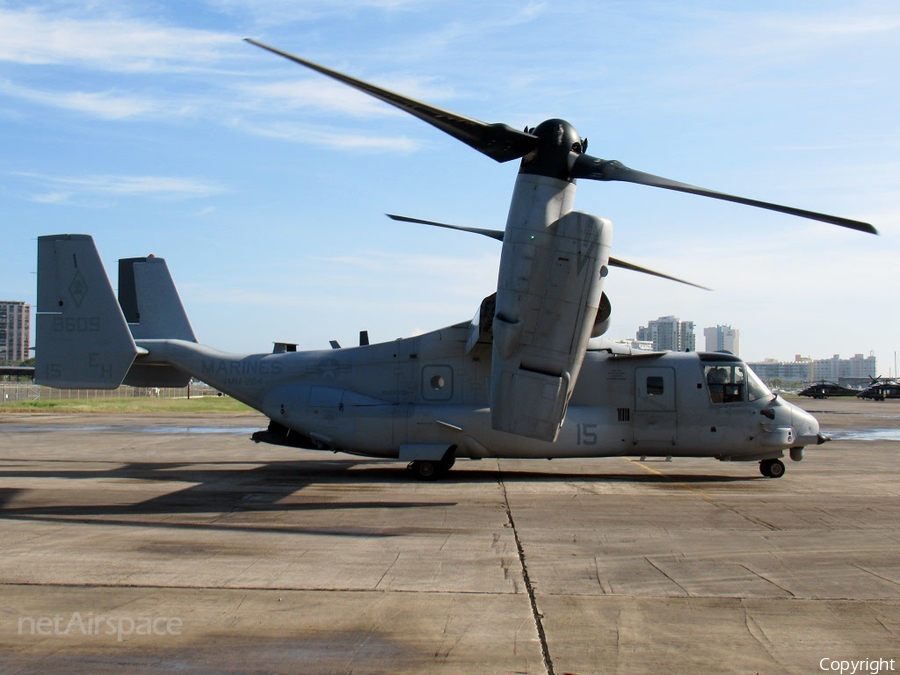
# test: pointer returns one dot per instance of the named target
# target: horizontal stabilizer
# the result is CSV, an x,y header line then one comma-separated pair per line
x,y
82,337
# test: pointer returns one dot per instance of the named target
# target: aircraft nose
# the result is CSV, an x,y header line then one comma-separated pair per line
x,y
806,427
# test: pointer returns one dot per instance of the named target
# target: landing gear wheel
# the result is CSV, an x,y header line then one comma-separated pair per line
x,y
776,470
772,468
428,469
424,469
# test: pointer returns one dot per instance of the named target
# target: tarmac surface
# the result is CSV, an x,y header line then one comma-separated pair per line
x,y
145,544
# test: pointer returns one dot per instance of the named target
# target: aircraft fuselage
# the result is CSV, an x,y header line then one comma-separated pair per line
x,y
417,397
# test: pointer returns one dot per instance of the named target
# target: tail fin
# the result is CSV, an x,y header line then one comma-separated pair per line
x,y
150,301
153,310
82,338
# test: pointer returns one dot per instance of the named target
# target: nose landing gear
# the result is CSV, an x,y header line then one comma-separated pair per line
x,y
772,468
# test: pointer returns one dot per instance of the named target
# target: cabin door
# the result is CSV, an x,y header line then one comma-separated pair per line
x,y
655,416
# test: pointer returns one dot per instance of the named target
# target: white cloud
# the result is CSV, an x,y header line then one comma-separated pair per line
x,y
52,198
94,48
324,137
282,12
847,25
753,37
317,91
106,105
125,186
309,93
34,36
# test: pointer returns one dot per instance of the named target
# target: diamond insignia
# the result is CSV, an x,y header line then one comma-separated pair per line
x,y
78,288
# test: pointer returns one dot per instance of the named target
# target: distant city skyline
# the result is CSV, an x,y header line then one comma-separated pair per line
x,y
673,330
669,333
857,369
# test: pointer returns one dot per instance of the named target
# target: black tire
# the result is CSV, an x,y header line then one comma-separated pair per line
x,y
776,469
424,469
772,468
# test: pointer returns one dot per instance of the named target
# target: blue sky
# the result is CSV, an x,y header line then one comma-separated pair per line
x,y
155,128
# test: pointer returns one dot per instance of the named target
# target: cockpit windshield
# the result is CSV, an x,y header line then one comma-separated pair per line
x,y
756,388
730,380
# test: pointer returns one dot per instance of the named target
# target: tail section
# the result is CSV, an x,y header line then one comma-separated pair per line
x,y
153,309
150,301
85,336
83,340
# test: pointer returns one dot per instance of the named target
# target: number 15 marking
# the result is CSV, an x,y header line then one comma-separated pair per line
x,y
586,434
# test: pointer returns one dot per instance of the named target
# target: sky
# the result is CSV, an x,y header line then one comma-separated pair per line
x,y
155,128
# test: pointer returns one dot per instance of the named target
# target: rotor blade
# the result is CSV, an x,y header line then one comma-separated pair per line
x,y
610,169
493,234
498,141
616,262
498,235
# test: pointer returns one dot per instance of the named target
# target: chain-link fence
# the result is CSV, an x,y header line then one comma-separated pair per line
x,y
11,392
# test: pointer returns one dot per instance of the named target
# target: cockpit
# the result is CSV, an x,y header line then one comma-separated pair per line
x,y
730,380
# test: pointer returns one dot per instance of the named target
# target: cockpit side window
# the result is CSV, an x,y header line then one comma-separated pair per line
x,y
756,388
726,382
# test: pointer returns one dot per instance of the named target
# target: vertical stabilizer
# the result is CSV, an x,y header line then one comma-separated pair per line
x,y
150,301
154,311
82,338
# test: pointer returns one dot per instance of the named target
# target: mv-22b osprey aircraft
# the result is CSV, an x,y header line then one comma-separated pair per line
x,y
529,377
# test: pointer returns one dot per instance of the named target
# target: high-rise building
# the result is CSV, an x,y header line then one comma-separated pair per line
x,y
795,374
855,371
15,328
669,332
836,369
723,338
687,337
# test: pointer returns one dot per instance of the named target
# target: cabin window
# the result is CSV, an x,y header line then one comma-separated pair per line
x,y
726,382
437,383
655,386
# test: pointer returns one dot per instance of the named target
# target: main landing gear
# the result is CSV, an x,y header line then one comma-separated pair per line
x,y
426,469
772,468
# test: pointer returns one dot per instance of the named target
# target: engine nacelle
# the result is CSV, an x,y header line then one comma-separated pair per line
x,y
601,323
548,295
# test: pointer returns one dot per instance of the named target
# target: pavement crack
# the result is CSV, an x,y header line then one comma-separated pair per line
x,y
881,623
874,574
389,568
767,580
535,613
666,575
756,631
604,585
